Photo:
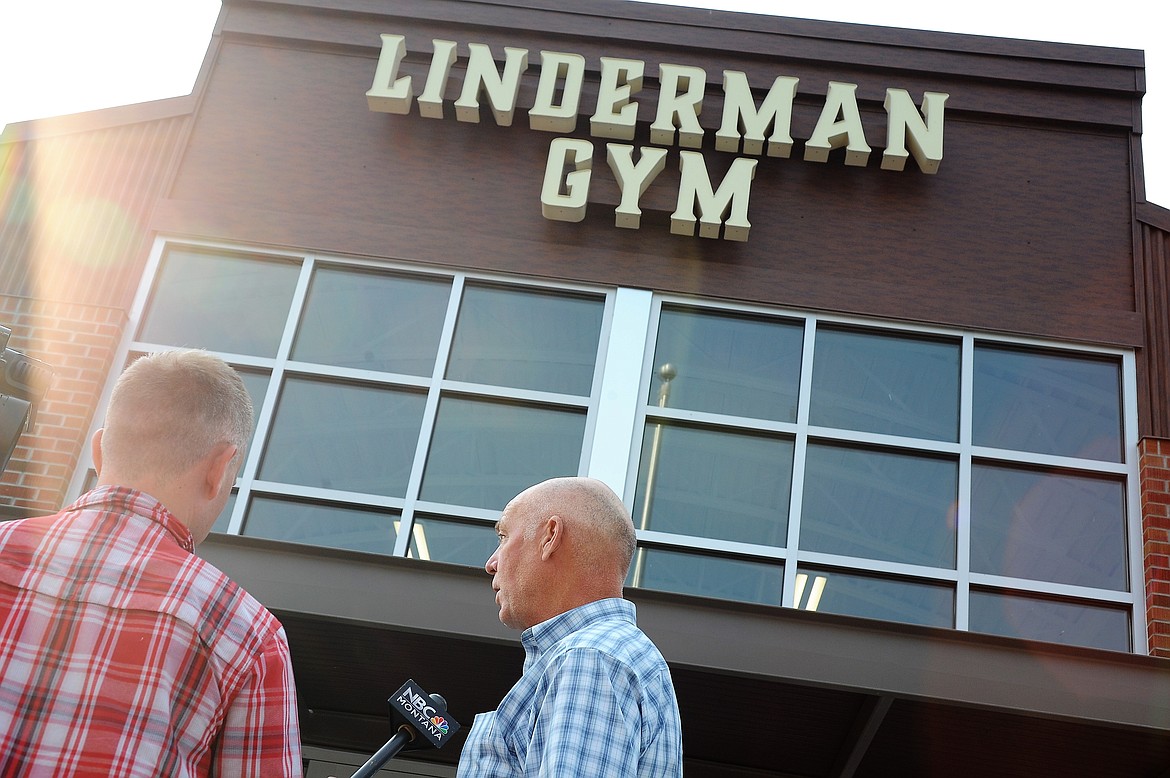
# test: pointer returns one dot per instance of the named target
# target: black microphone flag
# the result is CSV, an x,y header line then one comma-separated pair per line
x,y
425,713
413,713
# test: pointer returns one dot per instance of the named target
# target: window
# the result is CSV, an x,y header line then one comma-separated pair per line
x,y
714,483
872,381
382,393
912,601
230,304
927,477
1048,525
1046,402
879,503
369,320
917,475
342,435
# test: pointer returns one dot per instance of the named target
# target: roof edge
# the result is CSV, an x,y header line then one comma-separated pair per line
x,y
100,119
1153,215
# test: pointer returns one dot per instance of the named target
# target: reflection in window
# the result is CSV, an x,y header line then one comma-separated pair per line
x,y
715,484
709,576
735,365
351,437
372,321
1054,621
485,453
1048,526
455,542
1047,403
875,597
526,339
880,505
230,304
892,385
331,526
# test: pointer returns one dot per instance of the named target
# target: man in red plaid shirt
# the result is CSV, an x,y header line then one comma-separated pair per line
x,y
121,652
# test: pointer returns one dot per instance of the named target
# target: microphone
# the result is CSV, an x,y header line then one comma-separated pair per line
x,y
421,720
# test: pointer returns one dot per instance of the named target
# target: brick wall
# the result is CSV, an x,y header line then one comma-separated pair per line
x,y
1155,487
78,341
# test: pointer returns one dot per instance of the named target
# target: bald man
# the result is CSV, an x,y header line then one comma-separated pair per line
x,y
596,697
121,652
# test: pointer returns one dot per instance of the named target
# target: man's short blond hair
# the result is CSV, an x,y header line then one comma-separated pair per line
x,y
169,410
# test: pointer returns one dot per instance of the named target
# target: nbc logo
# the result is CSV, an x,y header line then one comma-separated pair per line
x,y
441,723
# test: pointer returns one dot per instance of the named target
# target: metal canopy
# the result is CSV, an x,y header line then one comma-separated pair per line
x,y
762,690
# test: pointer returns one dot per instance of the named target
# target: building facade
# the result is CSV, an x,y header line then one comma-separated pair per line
x,y
869,327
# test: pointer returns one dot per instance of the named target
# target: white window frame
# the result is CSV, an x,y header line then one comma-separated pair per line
x,y
616,414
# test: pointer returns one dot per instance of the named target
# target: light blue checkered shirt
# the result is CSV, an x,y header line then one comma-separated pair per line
x,y
595,699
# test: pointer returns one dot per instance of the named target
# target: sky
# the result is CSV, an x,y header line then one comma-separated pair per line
x,y
67,56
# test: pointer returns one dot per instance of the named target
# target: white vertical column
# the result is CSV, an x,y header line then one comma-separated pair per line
x,y
617,408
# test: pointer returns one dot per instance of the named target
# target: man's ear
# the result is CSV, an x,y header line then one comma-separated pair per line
x,y
221,458
95,449
551,536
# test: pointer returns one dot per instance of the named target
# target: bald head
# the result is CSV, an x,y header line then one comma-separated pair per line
x,y
563,543
604,538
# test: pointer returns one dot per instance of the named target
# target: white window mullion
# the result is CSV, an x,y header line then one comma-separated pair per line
x,y
617,420
267,409
799,452
963,505
430,411
1133,508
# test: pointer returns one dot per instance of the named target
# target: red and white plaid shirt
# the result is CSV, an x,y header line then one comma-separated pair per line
x,y
124,654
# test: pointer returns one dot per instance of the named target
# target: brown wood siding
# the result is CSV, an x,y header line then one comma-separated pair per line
x,y
76,201
1027,227
1154,360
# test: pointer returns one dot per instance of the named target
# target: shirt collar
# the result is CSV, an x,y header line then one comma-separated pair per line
x,y
546,634
132,501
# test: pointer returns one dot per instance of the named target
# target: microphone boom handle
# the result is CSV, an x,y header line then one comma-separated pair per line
x,y
385,754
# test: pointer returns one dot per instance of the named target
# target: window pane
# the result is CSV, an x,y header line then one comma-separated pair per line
x,y
331,526
891,385
714,484
456,542
351,437
879,505
232,304
874,597
257,385
708,576
225,516
485,453
735,365
526,340
372,321
1047,403
1035,618
1048,526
